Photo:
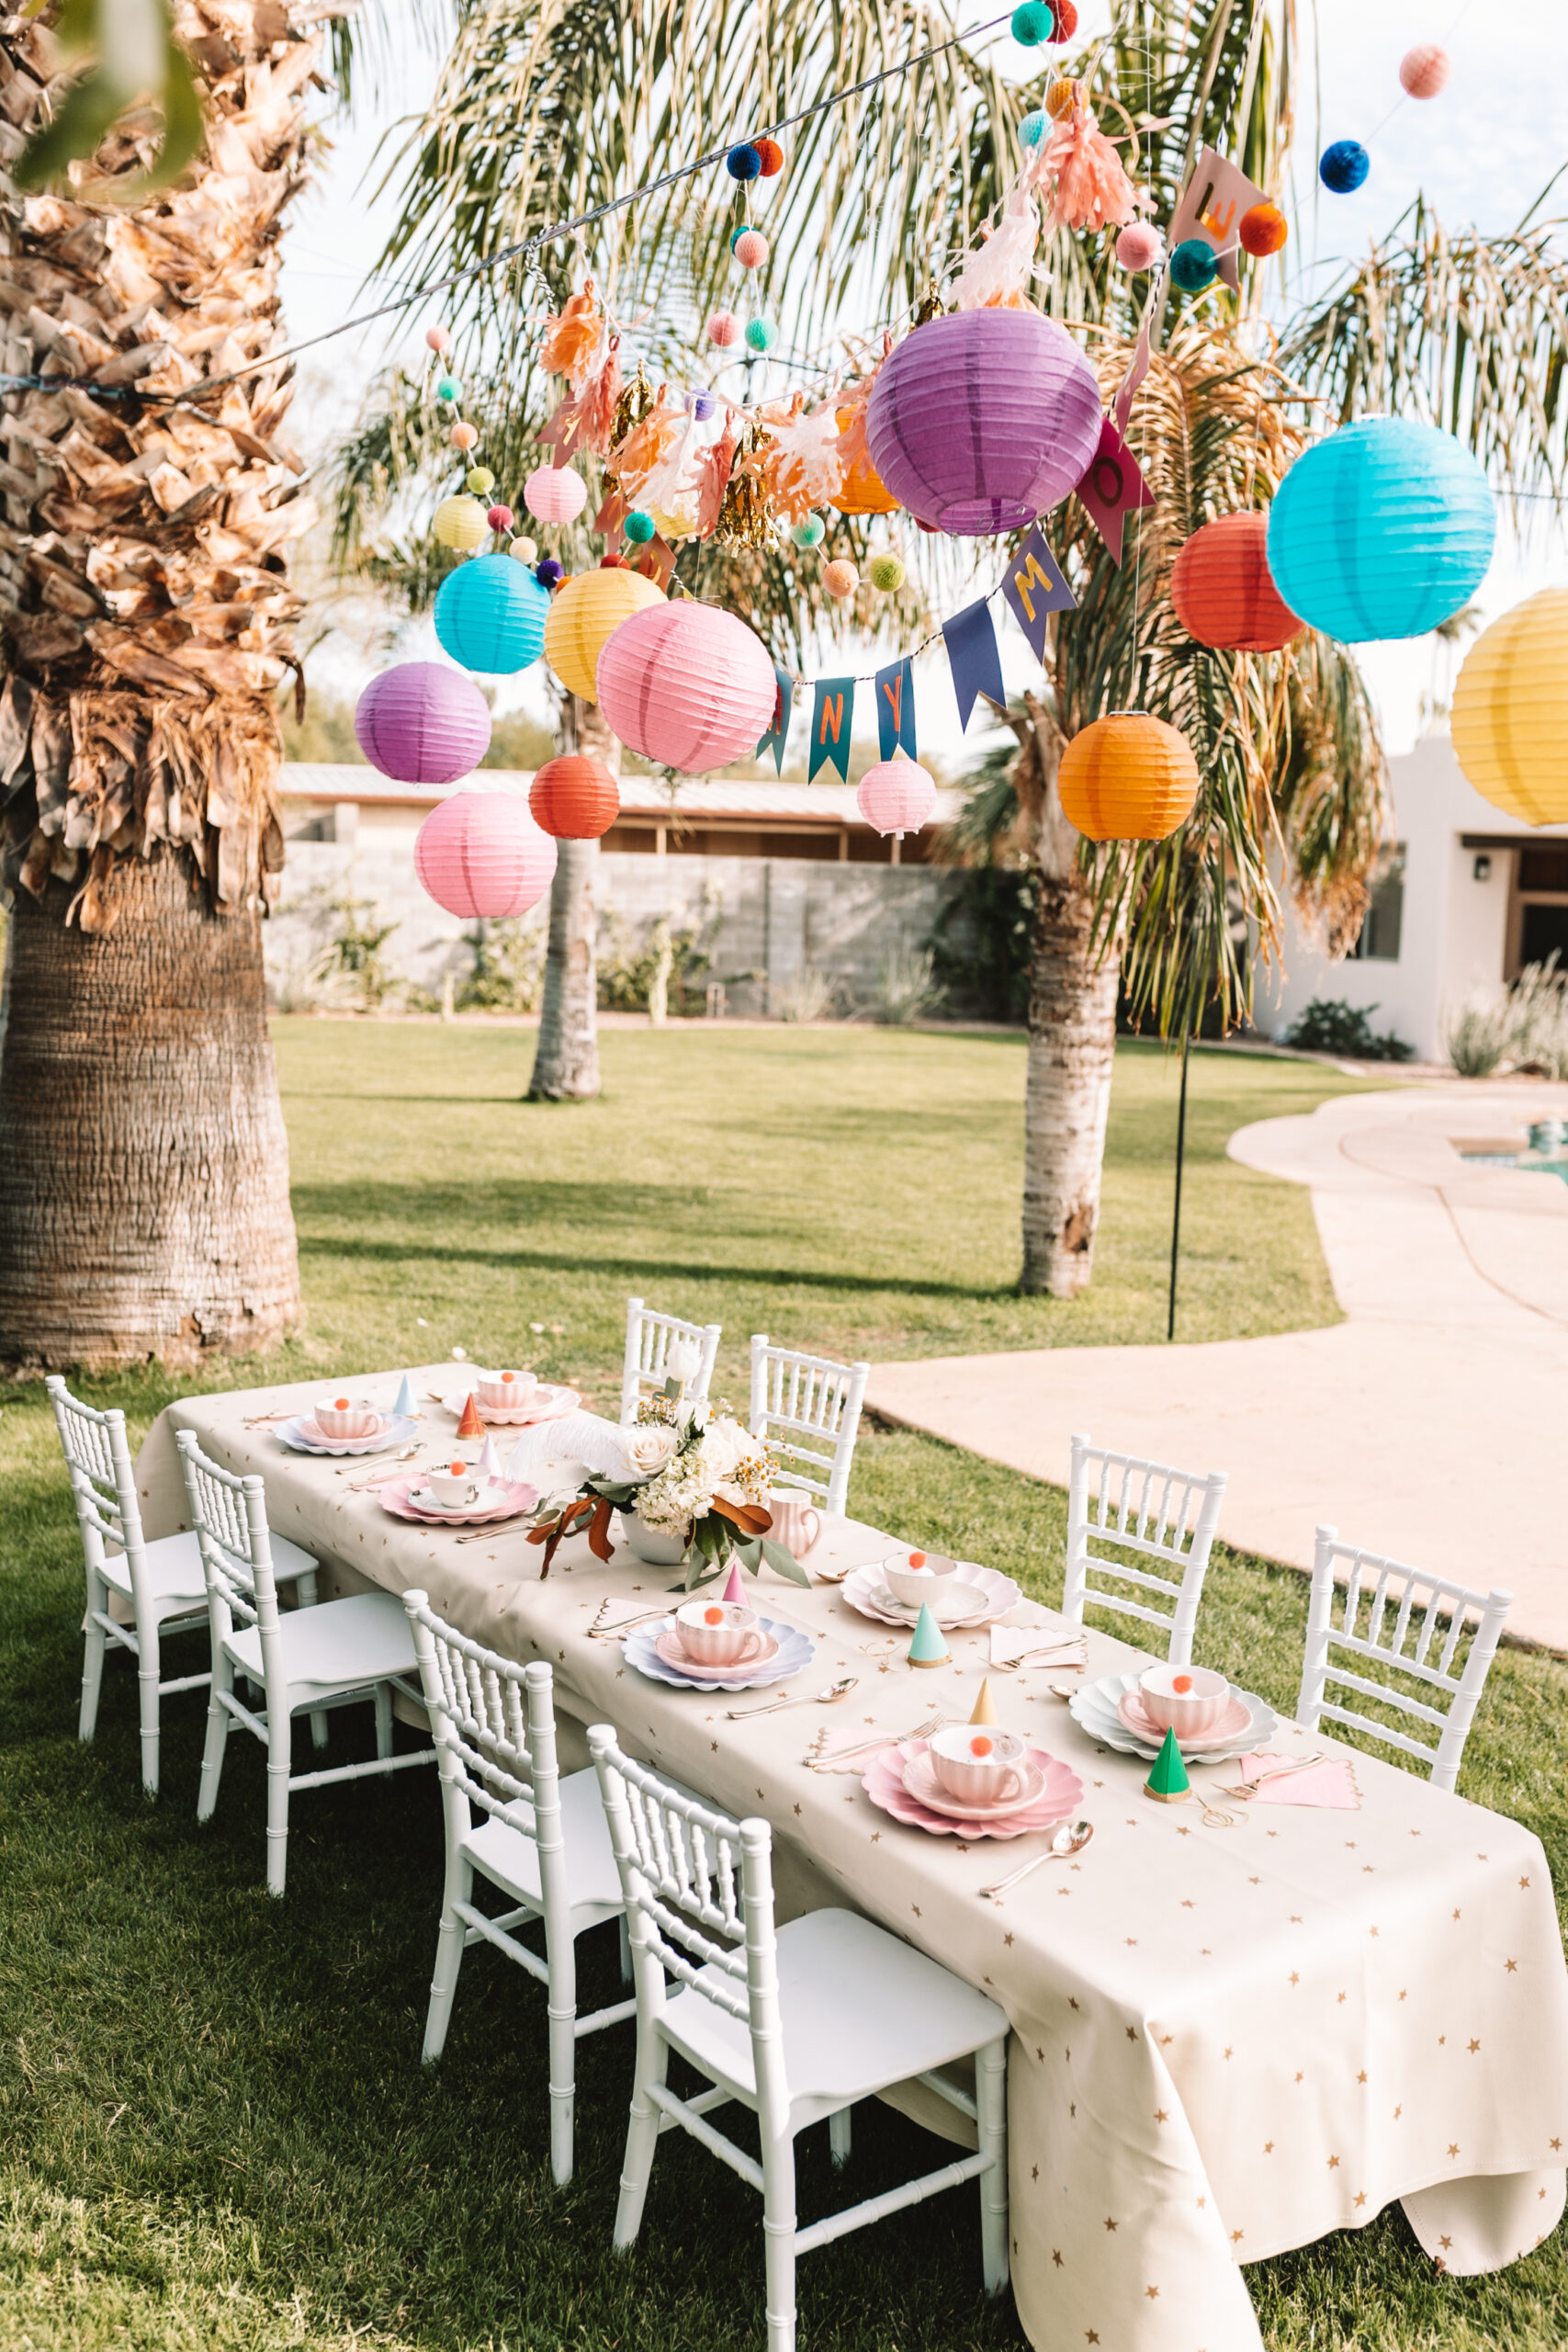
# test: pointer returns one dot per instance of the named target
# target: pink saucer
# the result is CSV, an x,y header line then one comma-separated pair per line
x,y
313,1435
395,1496
552,1404
669,1647
921,1783
884,1783
1236,1719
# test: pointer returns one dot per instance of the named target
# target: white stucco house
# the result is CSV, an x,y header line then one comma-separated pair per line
x,y
1468,895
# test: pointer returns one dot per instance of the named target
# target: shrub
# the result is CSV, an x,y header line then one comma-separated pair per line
x,y
1329,1025
1476,1033
905,986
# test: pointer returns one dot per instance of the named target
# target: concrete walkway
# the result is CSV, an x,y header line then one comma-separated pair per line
x,y
1431,1424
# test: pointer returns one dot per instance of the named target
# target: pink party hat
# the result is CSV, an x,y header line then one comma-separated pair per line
x,y
488,1464
735,1591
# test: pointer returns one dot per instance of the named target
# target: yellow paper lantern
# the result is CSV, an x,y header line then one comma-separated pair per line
x,y
461,523
1128,777
1510,713
585,612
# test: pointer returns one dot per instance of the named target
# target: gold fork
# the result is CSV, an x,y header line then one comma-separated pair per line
x,y
879,1739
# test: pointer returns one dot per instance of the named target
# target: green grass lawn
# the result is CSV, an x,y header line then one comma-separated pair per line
x,y
214,2132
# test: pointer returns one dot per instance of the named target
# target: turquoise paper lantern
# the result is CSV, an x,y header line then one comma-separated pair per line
x,y
490,615
1381,530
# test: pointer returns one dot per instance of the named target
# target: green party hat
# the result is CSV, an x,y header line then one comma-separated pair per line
x,y
1167,1778
927,1647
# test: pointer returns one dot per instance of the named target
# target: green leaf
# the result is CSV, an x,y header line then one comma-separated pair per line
x,y
86,114
783,1563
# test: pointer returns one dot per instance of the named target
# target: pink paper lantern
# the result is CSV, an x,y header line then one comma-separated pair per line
x,y
1425,70
554,493
686,685
896,796
480,854
423,723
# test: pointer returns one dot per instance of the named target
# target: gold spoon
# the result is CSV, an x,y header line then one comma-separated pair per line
x,y
811,1699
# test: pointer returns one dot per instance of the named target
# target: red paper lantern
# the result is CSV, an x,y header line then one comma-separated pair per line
x,y
575,799
480,854
1224,593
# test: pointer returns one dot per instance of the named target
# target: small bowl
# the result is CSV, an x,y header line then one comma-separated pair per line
x,y
976,1763
505,1390
718,1633
914,1577
1186,1699
455,1484
348,1416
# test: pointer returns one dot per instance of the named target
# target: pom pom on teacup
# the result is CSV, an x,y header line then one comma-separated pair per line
x,y
1194,265
549,573
638,527
743,162
1262,231
499,518
437,338
524,551
1423,70
1059,97
724,328
886,573
751,249
479,480
1139,246
809,532
1033,23
840,578
464,436
1343,167
772,156
761,334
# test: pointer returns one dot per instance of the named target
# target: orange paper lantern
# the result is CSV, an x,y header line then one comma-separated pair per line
x,y
1128,777
862,491
575,799
1224,592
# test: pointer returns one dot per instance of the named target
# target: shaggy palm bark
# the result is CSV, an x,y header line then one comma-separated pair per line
x,y
566,1060
147,614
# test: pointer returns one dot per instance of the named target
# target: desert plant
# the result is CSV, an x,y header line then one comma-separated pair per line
x,y
810,996
905,986
508,973
1538,1019
1329,1025
1476,1033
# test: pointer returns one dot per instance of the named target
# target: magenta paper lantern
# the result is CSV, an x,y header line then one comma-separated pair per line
x,y
896,796
686,685
982,420
423,723
480,854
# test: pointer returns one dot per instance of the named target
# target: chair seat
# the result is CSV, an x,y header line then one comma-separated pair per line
x,y
860,2010
593,1882
337,1645
176,1577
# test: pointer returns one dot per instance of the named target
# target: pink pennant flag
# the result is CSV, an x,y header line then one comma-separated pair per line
x,y
1113,488
1212,206
1137,368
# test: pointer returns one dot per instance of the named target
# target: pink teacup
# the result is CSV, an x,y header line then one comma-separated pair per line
x,y
796,1524
914,1577
505,1390
1186,1699
718,1633
978,1764
347,1417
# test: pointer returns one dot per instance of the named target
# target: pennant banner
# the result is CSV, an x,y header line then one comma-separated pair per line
x,y
971,641
784,698
1211,205
896,708
1113,488
1035,588
831,719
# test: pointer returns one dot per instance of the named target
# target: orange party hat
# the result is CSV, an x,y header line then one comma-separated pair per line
x,y
470,1425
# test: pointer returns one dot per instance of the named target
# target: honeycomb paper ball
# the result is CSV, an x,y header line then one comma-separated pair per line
x,y
1262,231
1128,777
687,686
1140,245
461,523
1510,710
489,616
723,328
1067,16
810,532
638,527
885,571
1031,130
896,796
1222,592
1425,70
701,405
423,723
464,436
761,334
840,578
574,798
1344,166
1033,23
751,249
1059,97
481,854
554,493
1192,264
584,615
772,154
743,162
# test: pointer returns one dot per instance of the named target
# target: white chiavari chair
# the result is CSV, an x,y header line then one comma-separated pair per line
x,y
1165,1519
159,1582
660,1348
1401,1627
335,1654
795,2023
808,1409
543,1840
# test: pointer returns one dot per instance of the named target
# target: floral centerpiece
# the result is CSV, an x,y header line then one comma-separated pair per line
x,y
691,1472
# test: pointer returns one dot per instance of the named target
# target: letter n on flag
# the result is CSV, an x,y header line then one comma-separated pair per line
x,y
778,727
896,708
1034,587
972,655
831,719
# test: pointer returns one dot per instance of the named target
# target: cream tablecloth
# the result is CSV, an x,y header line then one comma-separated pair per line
x,y
1226,2043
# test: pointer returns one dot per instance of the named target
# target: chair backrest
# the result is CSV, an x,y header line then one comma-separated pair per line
x,y
662,1348
229,1514
1405,1627
103,1479
809,1409
690,1909
1159,1516
495,1725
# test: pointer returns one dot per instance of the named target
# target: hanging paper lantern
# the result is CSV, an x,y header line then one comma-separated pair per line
x,y
981,420
862,489
1382,529
840,578
1140,245
772,154
480,856
554,493
1344,166
761,334
1510,712
489,616
1193,264
751,249
896,796
810,532
575,799
1222,591
423,723
886,573
743,162
585,615
701,405
1128,777
1033,23
1262,231
687,686
461,523
1425,70
723,328
638,527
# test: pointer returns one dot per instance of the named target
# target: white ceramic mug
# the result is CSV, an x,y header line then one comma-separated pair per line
x,y
797,1522
347,1417
977,1764
718,1633
506,1392
453,1485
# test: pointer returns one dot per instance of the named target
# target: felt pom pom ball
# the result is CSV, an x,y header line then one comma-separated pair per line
x,y
523,551
810,532
423,723
1262,231
1425,70
885,571
480,479
464,436
1344,166
638,527
461,522
743,162
489,616
499,518
549,573
751,249
1192,266
480,854
554,493
761,334
1140,245
772,155
723,328
840,578
449,389
612,562
1059,97
437,338
1033,23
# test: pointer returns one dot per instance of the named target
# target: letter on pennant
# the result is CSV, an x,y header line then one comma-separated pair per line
x,y
1211,205
1034,586
1113,488
831,717
896,708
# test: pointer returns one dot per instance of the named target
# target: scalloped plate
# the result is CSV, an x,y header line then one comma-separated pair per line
x,y
301,1436
884,1783
795,1652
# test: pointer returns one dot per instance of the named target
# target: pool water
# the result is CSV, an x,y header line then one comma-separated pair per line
x,y
1528,1163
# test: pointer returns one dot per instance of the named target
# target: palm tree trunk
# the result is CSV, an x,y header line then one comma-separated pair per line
x,y
566,1059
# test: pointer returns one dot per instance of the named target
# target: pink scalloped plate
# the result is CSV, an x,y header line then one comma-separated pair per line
x,y
884,1783
395,1496
557,1403
670,1650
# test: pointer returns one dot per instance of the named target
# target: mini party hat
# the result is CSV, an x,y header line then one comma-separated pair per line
x,y
1168,1781
928,1646
734,1592
471,1425
488,1464
405,1404
985,1710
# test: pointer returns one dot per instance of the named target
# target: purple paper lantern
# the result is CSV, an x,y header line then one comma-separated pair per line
x,y
423,723
982,420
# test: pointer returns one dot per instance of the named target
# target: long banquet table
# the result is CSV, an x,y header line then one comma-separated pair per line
x,y
1226,2043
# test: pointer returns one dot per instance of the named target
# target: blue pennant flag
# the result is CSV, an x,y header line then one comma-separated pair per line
x,y
773,741
831,721
896,708
972,653
1034,587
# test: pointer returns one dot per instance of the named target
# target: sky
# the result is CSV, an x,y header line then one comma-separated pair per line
x,y
1482,153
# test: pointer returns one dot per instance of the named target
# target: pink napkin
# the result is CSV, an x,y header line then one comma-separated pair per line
x,y
1332,1783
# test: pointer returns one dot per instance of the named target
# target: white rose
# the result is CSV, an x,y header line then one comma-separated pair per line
x,y
725,1443
648,1448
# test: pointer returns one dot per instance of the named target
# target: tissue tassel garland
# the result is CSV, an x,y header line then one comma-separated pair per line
x,y
1092,191
800,467
998,272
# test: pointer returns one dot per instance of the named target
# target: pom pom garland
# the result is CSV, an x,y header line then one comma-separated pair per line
x,y
723,328
1423,70
574,798
480,479
1139,246
840,578
549,573
437,338
1194,265
612,562
464,436
761,334
1066,15
772,155
1262,231
638,527
489,616
743,162
554,493
423,723
896,796
461,522
1033,23
885,571
448,390
481,854
751,249
1344,166
499,518
523,551
809,532
686,685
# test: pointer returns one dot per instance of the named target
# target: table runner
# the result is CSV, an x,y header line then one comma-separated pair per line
x,y
1226,2042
